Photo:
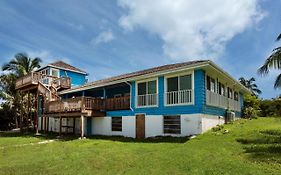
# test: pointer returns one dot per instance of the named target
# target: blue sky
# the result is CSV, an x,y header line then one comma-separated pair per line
x,y
108,38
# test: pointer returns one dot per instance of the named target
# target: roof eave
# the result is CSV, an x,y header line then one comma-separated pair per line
x,y
136,78
243,88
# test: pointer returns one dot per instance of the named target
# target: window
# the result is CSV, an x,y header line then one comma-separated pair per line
x,y
117,95
172,124
179,83
116,123
147,93
221,89
147,88
230,95
235,96
211,84
55,72
179,90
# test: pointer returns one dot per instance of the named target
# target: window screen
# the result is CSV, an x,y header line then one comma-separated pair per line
x,y
172,124
185,82
172,84
116,123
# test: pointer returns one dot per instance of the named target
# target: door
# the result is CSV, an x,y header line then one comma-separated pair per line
x,y
140,126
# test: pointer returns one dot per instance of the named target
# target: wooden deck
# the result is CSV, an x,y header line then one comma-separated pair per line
x,y
32,80
86,106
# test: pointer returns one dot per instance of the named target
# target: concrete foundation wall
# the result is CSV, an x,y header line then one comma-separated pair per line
x,y
191,124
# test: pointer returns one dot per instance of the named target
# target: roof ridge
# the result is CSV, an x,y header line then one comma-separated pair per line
x,y
142,72
64,65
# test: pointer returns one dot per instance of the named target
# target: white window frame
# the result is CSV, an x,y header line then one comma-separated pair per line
x,y
136,90
178,74
117,95
51,72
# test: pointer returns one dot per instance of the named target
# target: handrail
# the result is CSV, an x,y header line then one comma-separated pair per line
x,y
88,103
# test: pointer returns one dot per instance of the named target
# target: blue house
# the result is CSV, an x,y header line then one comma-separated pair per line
x,y
61,69
179,99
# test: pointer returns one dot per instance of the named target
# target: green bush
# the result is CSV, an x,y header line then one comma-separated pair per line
x,y
271,107
251,106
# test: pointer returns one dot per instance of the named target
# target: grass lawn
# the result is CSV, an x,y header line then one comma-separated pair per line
x,y
249,147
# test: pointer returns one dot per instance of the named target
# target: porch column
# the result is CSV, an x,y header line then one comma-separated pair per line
x,y
45,124
60,125
37,101
74,125
82,126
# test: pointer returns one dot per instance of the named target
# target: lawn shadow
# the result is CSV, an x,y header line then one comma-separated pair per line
x,y
265,147
69,137
158,139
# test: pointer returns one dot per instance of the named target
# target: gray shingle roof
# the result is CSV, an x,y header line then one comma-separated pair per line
x,y
140,73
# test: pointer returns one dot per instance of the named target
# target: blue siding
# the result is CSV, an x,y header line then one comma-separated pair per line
x,y
168,110
77,79
199,105
214,110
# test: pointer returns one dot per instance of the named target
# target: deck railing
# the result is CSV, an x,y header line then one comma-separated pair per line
x,y
119,103
87,103
179,97
35,77
30,78
62,82
147,100
217,100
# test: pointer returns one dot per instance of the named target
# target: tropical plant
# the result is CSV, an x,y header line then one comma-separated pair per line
x,y
251,106
273,62
250,84
22,64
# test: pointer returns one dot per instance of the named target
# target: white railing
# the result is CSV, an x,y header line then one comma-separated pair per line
x,y
147,100
217,100
179,97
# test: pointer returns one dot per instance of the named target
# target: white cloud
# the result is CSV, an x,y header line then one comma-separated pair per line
x,y
47,57
191,29
103,37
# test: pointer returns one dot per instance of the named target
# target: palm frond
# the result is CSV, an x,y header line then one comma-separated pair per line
x,y
277,83
279,37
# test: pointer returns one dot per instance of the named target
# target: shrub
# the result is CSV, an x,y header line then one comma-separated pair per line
x,y
271,107
251,106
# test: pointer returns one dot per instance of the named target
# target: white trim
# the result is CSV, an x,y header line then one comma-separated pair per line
x,y
160,73
51,72
51,66
178,75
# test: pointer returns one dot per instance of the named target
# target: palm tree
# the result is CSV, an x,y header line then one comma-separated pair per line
x,y
273,62
22,64
250,84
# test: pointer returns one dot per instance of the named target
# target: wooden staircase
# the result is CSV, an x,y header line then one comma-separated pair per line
x,y
34,81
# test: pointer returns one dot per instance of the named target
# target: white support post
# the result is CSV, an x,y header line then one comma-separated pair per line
x,y
82,127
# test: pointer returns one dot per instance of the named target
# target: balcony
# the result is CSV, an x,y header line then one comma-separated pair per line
x,y
217,100
181,97
32,79
87,106
147,100
28,80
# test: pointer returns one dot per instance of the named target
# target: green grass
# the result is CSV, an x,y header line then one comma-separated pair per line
x,y
247,147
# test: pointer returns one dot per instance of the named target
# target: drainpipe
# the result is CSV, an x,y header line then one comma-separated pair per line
x,y
130,95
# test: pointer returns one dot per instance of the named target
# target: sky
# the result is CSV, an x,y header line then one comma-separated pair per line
x,y
107,38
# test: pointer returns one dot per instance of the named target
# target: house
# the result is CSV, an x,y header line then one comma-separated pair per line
x,y
179,99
